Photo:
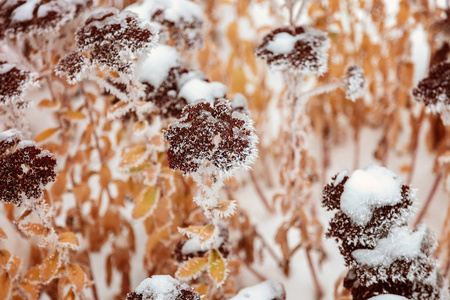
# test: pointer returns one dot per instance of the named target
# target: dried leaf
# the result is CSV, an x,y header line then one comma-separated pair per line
x,y
204,233
74,115
68,238
4,257
140,126
191,268
76,276
217,267
3,234
46,134
14,265
49,267
47,103
5,285
146,202
105,176
31,229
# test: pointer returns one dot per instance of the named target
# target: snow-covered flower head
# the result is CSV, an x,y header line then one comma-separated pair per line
x,y
303,50
37,16
13,82
163,287
434,90
209,138
24,168
355,82
182,20
266,290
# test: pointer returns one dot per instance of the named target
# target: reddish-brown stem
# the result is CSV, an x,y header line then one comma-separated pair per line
x,y
267,247
254,272
325,159
319,291
415,147
425,207
260,192
356,149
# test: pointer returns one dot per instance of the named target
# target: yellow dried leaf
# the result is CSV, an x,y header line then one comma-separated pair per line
x,y
202,289
74,115
133,155
49,267
145,202
5,285
206,233
140,126
217,267
46,134
191,268
68,238
76,276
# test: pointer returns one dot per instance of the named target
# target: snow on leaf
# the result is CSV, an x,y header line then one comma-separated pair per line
x,y
49,267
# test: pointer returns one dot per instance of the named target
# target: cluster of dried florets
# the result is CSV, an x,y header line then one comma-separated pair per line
x,y
163,287
434,90
13,83
113,43
354,82
181,20
24,168
303,50
384,256
37,16
209,138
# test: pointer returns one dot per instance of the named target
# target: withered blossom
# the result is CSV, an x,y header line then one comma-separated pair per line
x,y
72,66
354,82
13,82
25,169
210,138
303,50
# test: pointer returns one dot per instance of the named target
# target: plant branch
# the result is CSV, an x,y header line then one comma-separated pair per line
x,y
433,190
260,192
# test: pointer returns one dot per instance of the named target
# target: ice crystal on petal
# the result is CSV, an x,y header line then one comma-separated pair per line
x,y
24,168
267,290
434,90
211,138
14,82
354,82
181,19
163,287
303,50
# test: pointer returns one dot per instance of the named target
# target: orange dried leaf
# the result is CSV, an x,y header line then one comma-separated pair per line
x,y
191,268
32,228
207,233
33,275
74,115
155,237
133,155
202,289
5,285
76,276
68,238
46,134
47,103
49,267
146,202
217,267
140,126
31,289
14,265
3,234
4,257
105,176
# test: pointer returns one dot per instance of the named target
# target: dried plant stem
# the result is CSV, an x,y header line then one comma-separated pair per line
x,y
433,190
356,149
253,271
268,248
300,10
260,192
415,147
319,290
325,160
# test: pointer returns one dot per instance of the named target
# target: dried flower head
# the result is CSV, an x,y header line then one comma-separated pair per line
x,y
211,138
163,287
20,16
434,90
304,50
72,66
354,82
182,20
13,82
24,168
370,227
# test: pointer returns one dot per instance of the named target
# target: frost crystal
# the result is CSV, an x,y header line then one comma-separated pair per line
x,y
384,256
434,90
266,290
354,83
163,287
24,169
13,82
20,16
209,138
181,19
304,50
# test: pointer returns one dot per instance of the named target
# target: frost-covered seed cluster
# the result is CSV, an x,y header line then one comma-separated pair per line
x,y
25,169
304,50
354,83
13,82
163,287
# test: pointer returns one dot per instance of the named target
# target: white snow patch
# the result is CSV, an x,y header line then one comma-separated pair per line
x,y
282,43
25,11
157,65
266,290
388,297
368,189
197,88
159,287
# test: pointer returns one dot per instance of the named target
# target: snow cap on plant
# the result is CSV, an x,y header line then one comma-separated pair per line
x,y
13,82
37,16
181,20
163,287
24,168
209,138
434,90
303,50
267,290
370,227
